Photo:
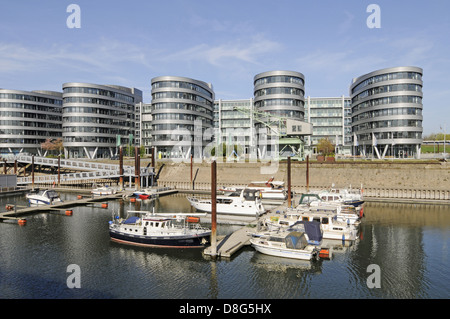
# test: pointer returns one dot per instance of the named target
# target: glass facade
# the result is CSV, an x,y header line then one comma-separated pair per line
x,y
280,93
331,118
180,106
233,123
279,97
387,113
28,119
383,116
95,115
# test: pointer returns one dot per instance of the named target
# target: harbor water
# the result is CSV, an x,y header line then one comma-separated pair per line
x,y
409,243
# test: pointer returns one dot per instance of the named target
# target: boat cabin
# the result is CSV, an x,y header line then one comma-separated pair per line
x,y
308,198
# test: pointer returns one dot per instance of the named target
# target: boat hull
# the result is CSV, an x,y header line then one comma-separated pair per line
x,y
187,241
285,253
99,193
354,203
36,201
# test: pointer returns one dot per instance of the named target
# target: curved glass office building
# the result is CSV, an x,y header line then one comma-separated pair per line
x,y
94,116
28,119
282,95
387,112
182,110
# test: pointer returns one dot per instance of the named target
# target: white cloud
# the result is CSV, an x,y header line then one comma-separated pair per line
x,y
241,51
104,55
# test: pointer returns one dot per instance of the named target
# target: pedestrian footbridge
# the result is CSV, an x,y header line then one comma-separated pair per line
x,y
88,170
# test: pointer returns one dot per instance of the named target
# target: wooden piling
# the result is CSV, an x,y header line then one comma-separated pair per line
x,y
59,170
32,172
213,209
289,180
121,167
137,169
307,173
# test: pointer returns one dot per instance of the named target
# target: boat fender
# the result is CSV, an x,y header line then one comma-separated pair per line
x,y
192,219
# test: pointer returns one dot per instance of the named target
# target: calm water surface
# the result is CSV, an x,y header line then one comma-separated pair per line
x,y
410,244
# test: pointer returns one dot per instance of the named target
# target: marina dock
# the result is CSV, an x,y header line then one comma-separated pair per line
x,y
231,243
17,213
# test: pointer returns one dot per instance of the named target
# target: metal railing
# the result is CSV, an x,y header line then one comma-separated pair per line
x,y
68,163
93,170
68,177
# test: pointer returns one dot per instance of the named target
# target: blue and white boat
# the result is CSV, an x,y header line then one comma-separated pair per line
x,y
45,197
160,230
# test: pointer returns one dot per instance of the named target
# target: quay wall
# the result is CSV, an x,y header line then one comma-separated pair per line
x,y
427,181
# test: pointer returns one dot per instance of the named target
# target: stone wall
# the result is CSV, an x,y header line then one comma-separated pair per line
x,y
387,179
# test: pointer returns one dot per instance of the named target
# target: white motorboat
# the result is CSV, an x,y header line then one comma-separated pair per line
x,y
331,226
347,213
248,203
344,196
159,230
103,191
288,244
45,197
269,190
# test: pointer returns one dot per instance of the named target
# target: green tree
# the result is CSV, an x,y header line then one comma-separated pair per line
x,y
325,147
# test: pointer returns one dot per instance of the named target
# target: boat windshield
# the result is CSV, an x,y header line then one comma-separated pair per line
x,y
52,194
296,240
250,194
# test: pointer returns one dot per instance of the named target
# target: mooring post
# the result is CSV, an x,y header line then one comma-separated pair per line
x,y
32,172
59,170
307,173
121,168
213,209
139,170
136,169
289,180
152,155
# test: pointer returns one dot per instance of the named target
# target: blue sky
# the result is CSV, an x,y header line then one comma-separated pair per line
x,y
226,43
